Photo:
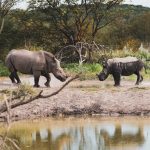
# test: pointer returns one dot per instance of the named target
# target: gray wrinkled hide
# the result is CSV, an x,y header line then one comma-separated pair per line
x,y
121,67
25,61
37,63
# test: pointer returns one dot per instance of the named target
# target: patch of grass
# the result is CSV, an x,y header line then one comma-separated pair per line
x,y
5,91
108,85
3,70
87,87
23,90
89,71
140,88
91,89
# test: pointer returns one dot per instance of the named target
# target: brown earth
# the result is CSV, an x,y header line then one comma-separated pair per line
x,y
90,97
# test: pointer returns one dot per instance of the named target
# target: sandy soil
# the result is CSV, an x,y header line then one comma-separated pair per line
x,y
90,97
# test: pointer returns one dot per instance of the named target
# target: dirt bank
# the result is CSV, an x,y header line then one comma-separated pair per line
x,y
86,97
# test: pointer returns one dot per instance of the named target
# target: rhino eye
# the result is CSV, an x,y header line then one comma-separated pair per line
x,y
105,71
58,70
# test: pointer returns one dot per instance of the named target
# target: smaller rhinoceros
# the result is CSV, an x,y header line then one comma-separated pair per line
x,y
121,66
37,63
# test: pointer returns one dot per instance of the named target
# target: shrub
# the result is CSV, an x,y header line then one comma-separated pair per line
x,y
22,91
3,70
88,70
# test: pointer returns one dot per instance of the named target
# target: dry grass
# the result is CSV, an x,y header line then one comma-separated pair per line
x,y
23,90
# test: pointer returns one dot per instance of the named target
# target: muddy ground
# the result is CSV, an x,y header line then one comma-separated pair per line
x,y
90,97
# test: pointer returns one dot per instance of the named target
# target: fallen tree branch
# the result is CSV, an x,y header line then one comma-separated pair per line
x,y
56,92
3,107
8,111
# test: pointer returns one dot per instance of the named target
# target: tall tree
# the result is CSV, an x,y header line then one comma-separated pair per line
x,y
5,6
78,20
75,19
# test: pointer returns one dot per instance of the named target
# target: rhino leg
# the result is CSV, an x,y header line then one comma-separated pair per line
x,y
139,78
36,75
48,78
17,77
14,76
117,79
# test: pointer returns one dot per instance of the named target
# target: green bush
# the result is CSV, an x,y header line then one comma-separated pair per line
x,y
3,70
88,71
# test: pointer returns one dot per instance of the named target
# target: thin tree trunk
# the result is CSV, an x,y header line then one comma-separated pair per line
x,y
90,56
2,25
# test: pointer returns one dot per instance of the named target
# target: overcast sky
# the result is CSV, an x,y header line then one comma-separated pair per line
x,y
145,3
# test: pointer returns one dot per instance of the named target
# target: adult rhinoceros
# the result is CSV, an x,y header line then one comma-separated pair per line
x,y
121,66
36,63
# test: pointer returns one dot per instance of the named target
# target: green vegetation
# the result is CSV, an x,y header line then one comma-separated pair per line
x,y
39,28
52,26
22,91
88,70
3,70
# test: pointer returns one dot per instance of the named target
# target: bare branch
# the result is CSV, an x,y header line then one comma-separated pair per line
x,y
13,143
8,110
2,25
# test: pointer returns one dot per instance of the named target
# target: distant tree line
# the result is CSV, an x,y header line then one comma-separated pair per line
x,y
51,25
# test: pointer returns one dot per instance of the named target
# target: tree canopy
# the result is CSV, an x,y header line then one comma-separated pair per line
x,y
51,25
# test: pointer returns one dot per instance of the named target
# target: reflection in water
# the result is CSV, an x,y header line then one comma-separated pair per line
x,y
97,135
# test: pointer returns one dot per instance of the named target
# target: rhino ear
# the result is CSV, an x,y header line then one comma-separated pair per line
x,y
53,57
104,63
104,60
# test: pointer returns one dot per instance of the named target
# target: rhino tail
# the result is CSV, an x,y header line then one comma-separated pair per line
x,y
9,63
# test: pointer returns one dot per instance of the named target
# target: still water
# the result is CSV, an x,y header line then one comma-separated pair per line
x,y
125,133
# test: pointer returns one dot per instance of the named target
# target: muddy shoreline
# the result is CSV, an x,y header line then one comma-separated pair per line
x,y
89,97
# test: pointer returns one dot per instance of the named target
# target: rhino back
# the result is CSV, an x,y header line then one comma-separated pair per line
x,y
24,61
126,68
122,60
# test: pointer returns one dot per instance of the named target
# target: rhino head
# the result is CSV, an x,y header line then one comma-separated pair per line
x,y
58,71
53,66
105,72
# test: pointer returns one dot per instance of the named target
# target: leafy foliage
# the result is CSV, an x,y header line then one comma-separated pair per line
x,y
40,27
88,70
3,70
